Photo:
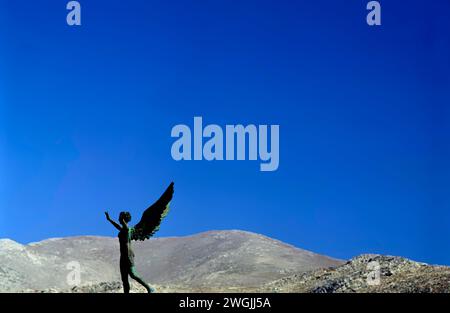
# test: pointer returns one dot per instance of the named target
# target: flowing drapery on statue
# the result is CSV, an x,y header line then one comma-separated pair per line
x,y
147,227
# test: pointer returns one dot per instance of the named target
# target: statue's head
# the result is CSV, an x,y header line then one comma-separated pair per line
x,y
124,217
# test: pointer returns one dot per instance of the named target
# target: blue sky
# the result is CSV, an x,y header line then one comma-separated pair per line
x,y
86,114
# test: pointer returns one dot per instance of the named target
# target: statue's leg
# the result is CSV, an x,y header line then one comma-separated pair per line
x,y
124,271
135,276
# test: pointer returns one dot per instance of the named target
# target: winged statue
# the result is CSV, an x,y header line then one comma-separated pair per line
x,y
146,228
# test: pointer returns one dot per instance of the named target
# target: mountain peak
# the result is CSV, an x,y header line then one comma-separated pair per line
x,y
211,259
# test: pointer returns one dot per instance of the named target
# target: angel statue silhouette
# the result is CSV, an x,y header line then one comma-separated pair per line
x,y
147,227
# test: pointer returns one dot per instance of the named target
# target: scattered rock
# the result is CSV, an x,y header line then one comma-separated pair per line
x,y
368,273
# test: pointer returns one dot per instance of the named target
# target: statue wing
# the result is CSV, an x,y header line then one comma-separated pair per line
x,y
152,217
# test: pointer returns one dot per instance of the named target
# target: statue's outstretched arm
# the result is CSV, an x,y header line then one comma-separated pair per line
x,y
112,222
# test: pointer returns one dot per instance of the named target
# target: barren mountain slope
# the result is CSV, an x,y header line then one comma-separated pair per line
x,y
213,259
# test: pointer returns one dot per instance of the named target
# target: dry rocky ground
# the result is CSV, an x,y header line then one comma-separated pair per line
x,y
368,273
216,261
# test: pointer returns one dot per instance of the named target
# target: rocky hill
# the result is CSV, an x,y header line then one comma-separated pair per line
x,y
210,261
215,261
368,273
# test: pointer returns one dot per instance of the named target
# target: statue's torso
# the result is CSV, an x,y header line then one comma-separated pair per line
x,y
126,251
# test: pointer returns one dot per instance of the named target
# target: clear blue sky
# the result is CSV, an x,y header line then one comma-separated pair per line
x,y
86,114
